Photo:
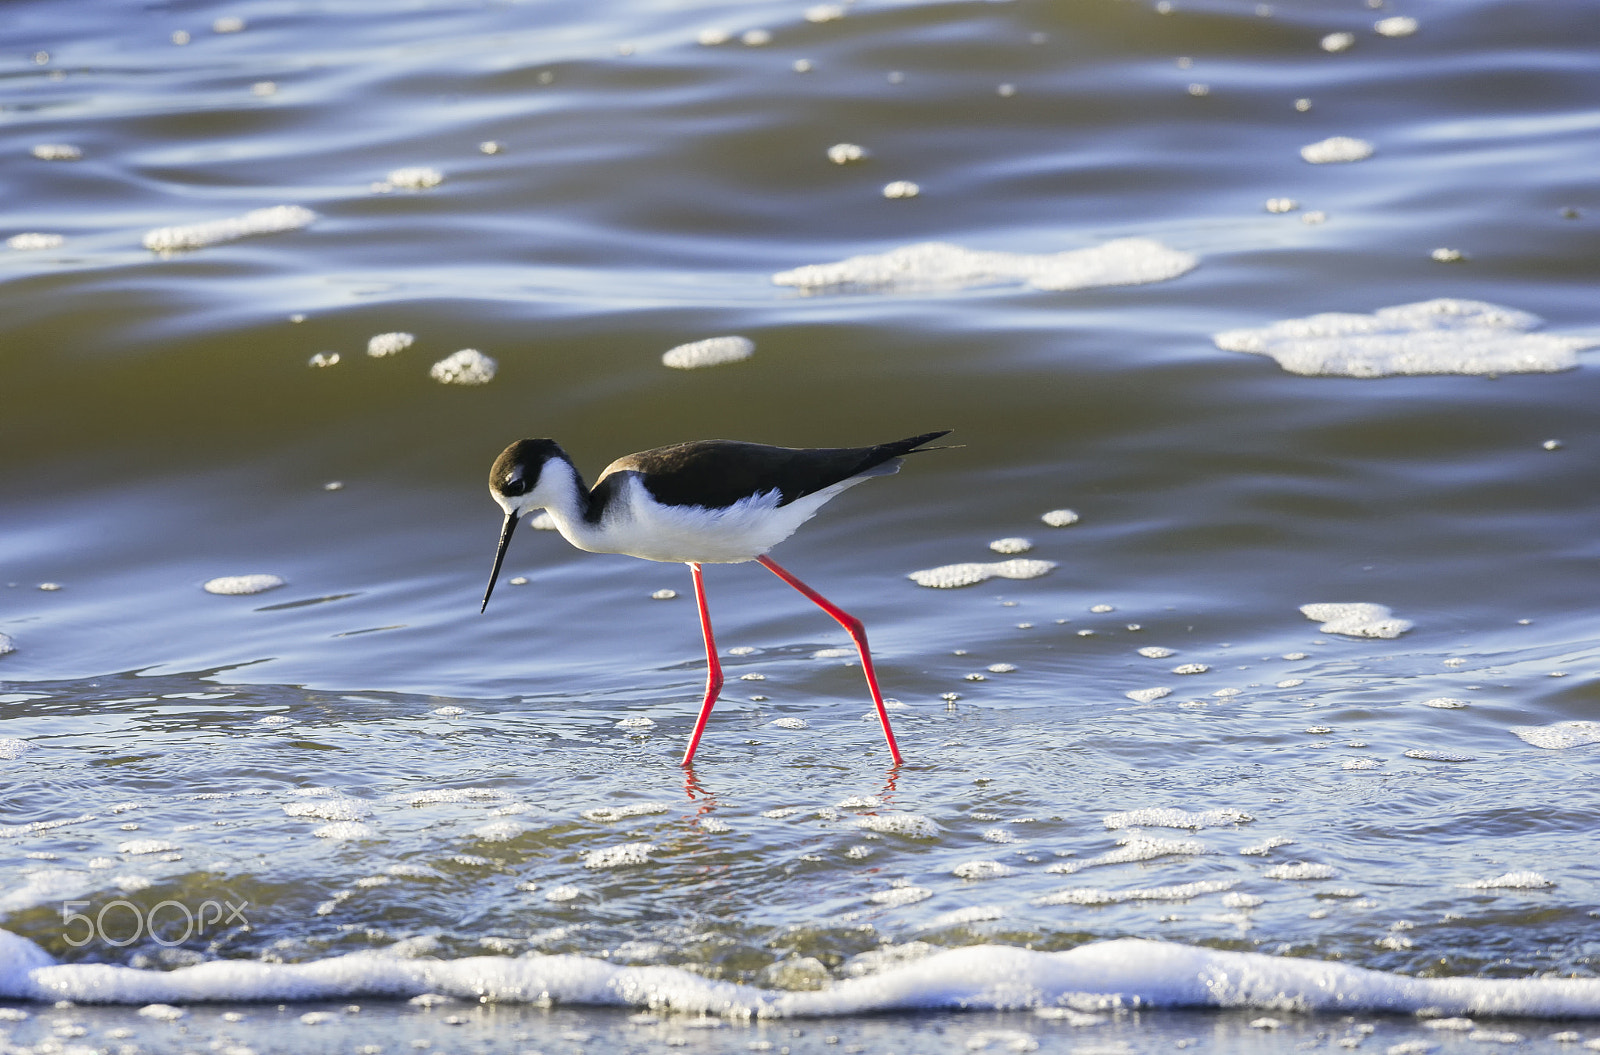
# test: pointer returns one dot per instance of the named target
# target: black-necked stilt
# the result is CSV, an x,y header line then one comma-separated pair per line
x,y
705,502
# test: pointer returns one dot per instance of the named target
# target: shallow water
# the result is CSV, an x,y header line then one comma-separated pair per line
x,y
365,760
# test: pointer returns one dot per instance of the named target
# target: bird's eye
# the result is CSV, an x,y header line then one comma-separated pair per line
x,y
514,484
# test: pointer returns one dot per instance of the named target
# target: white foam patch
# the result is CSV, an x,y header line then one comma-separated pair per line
x,y
499,831
136,847
1011,545
1060,517
35,240
242,584
1356,619
1395,26
1174,818
1443,336
981,870
1157,652
1336,150
713,351
1445,703
941,265
1300,870
900,895
790,723
619,856
1512,881
330,809
212,232
636,722
1148,695
1560,735
386,344
1175,892
6,644
11,748
1131,849
339,831
1428,754
466,367
416,177
950,576
911,825
436,795
57,152
963,916
1121,972
607,814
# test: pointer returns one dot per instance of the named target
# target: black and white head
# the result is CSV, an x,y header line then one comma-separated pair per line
x,y
519,484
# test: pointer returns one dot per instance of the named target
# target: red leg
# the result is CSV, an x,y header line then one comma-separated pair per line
x,y
858,634
713,668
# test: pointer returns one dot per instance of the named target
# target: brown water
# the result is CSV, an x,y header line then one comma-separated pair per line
x,y
161,426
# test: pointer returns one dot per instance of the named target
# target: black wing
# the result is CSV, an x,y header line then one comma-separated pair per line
x,y
718,473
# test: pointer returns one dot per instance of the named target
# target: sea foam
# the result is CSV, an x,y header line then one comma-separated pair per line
x,y
941,265
1125,971
1442,336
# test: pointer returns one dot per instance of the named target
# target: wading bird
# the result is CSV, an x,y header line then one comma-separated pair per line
x,y
704,502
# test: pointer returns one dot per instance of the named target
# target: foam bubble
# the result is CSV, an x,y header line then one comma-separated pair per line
x,y
1559,735
1443,336
712,36
900,895
416,177
941,265
437,795
466,367
619,856
35,240
139,847
950,576
636,722
901,188
1395,26
1445,703
57,152
981,870
962,916
1430,755
1336,150
1356,619
790,723
384,344
1176,892
1175,818
499,831
212,232
1156,652
1131,849
11,748
1011,545
1361,763
1148,695
607,814
1191,668
565,892
844,153
342,830
1282,205
6,644
713,351
1336,42
1512,881
162,1012
824,13
228,24
756,38
1060,517
1300,870
337,808
242,584
911,825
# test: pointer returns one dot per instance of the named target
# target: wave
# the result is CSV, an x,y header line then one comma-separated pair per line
x,y
1126,972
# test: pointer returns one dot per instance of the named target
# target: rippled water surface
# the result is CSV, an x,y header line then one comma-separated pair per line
x,y
574,189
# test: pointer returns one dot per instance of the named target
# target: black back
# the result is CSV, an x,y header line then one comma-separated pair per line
x,y
718,473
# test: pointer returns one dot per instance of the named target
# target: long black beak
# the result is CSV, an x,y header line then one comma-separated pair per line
x,y
500,556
